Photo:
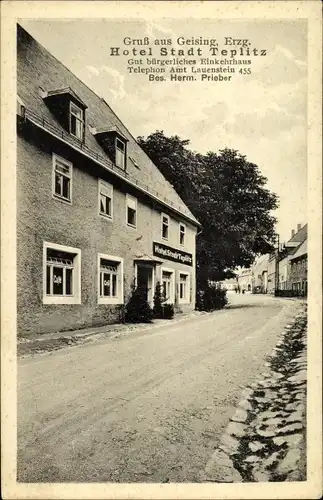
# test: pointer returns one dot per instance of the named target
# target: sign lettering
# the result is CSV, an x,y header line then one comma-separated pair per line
x,y
173,254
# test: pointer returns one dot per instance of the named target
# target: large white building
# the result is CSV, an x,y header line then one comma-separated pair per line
x,y
94,214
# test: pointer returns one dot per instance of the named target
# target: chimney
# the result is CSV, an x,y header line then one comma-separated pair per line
x,y
293,233
299,227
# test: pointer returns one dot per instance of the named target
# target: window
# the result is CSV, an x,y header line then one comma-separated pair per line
x,y
131,211
62,278
76,121
134,162
68,109
168,285
182,231
62,178
165,226
114,144
120,154
184,287
105,199
110,277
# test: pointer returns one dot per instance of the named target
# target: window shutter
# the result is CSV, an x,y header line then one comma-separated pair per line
x,y
131,203
106,189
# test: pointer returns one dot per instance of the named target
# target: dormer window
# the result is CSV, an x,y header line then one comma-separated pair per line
x,y
120,154
76,121
114,144
69,110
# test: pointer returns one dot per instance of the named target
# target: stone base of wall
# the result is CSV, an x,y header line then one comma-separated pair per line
x,y
69,318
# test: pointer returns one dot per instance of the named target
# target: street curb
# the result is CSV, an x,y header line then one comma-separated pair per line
x,y
44,344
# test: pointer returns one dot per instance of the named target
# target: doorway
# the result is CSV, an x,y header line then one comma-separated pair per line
x,y
145,281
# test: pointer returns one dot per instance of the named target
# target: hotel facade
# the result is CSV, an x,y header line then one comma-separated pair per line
x,y
95,216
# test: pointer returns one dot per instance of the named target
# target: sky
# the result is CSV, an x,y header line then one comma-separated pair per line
x,y
263,115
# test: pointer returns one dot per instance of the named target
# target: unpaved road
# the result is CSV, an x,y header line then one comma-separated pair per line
x,y
146,407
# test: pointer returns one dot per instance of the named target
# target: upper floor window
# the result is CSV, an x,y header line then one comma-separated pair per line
x,y
131,211
76,121
182,234
105,199
165,226
62,178
120,154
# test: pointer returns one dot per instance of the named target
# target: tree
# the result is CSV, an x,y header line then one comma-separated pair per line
x,y
227,194
158,301
137,309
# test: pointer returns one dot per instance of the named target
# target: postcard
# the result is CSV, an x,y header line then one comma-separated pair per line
x,y
161,250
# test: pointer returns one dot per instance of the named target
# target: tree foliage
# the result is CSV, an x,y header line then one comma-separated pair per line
x,y
229,197
137,309
158,301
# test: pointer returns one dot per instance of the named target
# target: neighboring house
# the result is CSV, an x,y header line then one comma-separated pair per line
x,y
292,265
298,269
245,279
94,214
271,272
260,274
230,284
283,272
296,254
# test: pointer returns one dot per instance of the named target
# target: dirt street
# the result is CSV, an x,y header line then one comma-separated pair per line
x,y
147,407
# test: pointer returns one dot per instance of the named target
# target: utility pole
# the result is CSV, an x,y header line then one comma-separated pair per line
x,y
277,266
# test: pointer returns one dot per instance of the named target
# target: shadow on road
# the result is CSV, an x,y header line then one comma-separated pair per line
x,y
245,306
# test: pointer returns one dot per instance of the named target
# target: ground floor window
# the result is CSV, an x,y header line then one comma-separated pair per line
x,y
110,279
296,286
184,287
168,285
61,274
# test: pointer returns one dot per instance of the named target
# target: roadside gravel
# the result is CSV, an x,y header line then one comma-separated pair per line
x,y
266,437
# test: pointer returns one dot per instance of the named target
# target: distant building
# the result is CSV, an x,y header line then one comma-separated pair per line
x,y
230,284
298,269
245,279
297,260
292,266
260,274
272,258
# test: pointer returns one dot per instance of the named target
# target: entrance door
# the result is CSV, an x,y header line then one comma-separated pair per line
x,y
145,281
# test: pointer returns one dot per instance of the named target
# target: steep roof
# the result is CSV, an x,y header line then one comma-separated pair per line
x,y
301,250
38,71
68,90
244,272
300,236
261,264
